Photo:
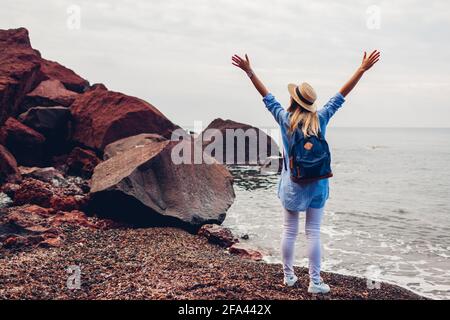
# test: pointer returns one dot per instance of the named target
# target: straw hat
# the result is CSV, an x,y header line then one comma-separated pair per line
x,y
304,95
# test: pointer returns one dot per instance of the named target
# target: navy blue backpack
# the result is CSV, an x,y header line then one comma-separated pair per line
x,y
309,158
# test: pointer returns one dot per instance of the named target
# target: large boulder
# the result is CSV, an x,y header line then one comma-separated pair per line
x,y
53,123
49,93
70,80
19,70
142,184
101,117
22,69
240,143
50,121
136,141
26,144
9,171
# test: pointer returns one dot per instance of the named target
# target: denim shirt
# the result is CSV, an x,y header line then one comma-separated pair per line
x,y
293,196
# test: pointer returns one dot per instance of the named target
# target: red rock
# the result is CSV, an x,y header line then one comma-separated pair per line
x,y
245,251
55,242
218,235
22,241
74,217
31,225
98,86
33,191
31,218
72,81
81,162
26,144
22,68
47,94
250,152
143,185
19,70
9,171
67,203
38,210
101,117
26,226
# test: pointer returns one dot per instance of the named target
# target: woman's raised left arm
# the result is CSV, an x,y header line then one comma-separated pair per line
x,y
366,64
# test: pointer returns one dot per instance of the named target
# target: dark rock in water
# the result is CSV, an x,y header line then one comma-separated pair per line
x,y
26,144
245,237
54,71
137,141
9,171
49,93
245,251
101,117
81,162
19,70
241,143
218,235
143,185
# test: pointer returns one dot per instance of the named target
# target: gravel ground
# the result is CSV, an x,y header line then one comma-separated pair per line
x,y
159,263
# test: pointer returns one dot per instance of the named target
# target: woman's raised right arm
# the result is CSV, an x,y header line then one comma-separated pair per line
x,y
244,64
280,115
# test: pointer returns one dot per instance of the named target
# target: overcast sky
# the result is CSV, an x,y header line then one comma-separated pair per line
x,y
176,54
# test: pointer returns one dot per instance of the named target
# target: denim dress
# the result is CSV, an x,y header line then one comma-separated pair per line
x,y
293,196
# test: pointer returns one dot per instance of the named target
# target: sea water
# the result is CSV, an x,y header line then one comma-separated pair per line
x,y
388,216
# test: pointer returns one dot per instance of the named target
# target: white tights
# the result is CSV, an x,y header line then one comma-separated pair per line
x,y
312,230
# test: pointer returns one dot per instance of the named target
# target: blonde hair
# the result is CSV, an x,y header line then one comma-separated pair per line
x,y
308,120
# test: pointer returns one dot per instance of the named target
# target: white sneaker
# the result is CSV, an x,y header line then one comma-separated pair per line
x,y
320,287
289,281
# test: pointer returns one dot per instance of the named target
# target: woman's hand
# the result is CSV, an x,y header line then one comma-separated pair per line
x,y
366,64
369,61
241,63
245,65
